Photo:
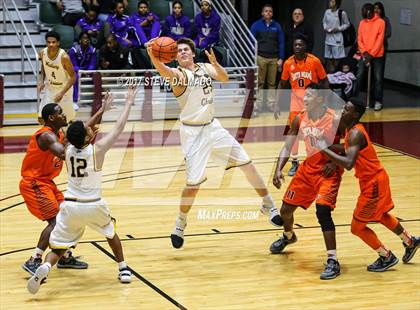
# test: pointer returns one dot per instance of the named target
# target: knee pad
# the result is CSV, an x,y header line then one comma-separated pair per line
x,y
323,213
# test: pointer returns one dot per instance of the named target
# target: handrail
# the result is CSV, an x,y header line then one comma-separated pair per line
x,y
23,32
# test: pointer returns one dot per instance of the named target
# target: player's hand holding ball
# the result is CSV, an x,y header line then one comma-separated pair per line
x,y
163,49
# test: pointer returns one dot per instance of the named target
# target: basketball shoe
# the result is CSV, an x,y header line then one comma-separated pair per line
x,y
124,275
411,250
38,278
273,213
279,245
32,264
383,263
331,271
177,236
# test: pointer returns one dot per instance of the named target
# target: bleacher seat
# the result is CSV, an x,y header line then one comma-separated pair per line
x,y
66,34
48,13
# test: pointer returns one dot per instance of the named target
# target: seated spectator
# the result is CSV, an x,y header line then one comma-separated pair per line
x,y
83,57
112,55
72,11
106,8
298,25
145,23
120,25
177,25
342,79
92,25
207,26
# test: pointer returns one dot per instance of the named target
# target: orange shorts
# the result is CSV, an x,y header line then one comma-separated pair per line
x,y
374,199
42,198
305,188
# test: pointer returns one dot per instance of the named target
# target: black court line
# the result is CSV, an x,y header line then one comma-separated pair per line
x,y
216,230
298,225
207,234
141,278
130,236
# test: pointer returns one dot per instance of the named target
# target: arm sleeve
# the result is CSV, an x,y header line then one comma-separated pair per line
x,y
139,31
73,59
324,22
320,71
281,42
285,72
345,21
360,41
379,42
92,62
155,27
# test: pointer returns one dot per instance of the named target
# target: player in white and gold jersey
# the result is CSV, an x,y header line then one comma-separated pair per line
x,y
83,204
201,134
57,76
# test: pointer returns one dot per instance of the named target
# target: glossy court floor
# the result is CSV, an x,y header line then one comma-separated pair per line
x,y
225,262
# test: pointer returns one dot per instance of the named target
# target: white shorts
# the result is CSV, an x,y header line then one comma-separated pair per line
x,y
72,219
199,142
334,52
66,102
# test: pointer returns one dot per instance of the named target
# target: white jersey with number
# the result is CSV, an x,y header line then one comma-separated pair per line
x,y
196,101
84,180
55,74
56,78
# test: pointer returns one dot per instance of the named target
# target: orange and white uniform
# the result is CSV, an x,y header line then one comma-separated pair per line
x,y
309,184
375,193
301,73
39,168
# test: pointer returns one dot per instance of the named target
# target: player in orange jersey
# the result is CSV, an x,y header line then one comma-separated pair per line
x,y
299,71
375,200
316,179
42,163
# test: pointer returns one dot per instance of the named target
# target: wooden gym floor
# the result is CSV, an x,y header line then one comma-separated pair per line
x,y
225,262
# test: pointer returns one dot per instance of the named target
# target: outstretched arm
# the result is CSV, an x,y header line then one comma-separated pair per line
x,y
104,144
285,152
106,106
356,143
215,70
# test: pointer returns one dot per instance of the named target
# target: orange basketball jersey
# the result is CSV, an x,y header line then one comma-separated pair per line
x,y
367,164
313,130
41,164
301,73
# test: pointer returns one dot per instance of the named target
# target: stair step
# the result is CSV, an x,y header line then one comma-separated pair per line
x,y
9,41
29,14
14,84
31,26
15,77
14,52
20,94
14,67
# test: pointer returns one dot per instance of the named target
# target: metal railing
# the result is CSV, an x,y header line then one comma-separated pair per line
x,y
21,34
232,94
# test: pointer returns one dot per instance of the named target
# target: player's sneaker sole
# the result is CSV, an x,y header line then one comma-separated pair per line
x,y
37,279
177,241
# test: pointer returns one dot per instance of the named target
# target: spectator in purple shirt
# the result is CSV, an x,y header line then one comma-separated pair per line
x,y
92,25
177,25
207,25
120,25
83,57
146,23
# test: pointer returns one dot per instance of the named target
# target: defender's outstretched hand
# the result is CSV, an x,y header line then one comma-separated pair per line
x,y
107,102
211,57
131,94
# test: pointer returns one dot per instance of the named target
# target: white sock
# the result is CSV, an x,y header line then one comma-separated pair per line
x,y
288,234
122,265
37,253
268,200
332,254
405,237
48,265
183,216
382,251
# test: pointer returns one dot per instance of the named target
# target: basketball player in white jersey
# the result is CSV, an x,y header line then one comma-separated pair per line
x,y
57,76
201,134
83,204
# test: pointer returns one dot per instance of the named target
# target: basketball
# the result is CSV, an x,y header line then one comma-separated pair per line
x,y
165,49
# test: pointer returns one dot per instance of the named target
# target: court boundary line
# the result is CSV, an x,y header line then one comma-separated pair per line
x,y
209,234
141,278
